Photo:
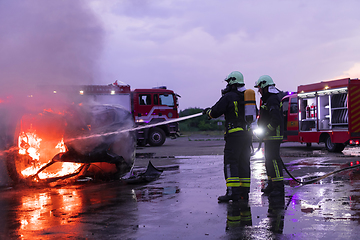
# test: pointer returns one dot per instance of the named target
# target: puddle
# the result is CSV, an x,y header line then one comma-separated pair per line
x,y
150,193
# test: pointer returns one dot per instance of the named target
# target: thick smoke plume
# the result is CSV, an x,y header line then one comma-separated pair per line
x,y
43,42
47,43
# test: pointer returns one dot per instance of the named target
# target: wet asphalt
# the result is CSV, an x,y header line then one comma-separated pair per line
x,y
182,203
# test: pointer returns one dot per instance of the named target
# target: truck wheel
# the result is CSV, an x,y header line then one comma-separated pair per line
x,y
333,147
156,137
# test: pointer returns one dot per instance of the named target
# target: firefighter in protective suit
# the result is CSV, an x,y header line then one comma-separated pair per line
x,y
238,138
271,121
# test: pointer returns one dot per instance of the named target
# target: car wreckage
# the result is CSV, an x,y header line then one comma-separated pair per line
x,y
85,141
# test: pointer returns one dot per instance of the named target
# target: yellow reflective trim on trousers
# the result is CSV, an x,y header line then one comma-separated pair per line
x,y
233,218
247,218
245,179
233,185
245,182
277,179
235,130
276,168
233,182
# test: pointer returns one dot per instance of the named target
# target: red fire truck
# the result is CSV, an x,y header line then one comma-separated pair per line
x,y
148,106
328,111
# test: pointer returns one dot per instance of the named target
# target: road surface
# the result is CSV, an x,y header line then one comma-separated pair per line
x,y
182,203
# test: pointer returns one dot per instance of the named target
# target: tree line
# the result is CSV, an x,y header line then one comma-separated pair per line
x,y
201,123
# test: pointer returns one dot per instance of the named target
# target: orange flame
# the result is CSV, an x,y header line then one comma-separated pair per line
x,y
29,143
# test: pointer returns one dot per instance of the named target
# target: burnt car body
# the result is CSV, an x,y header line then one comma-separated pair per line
x,y
87,140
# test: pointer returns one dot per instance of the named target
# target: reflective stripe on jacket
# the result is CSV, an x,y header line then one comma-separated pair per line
x,y
231,104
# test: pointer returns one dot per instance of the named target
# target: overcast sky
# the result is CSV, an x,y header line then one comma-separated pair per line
x,y
191,45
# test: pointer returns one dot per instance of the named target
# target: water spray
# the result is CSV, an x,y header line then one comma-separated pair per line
x,y
137,128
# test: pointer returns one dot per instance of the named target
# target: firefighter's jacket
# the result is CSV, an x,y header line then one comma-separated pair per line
x,y
231,104
271,117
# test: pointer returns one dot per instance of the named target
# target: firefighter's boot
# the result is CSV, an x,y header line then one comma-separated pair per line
x,y
232,193
268,188
278,189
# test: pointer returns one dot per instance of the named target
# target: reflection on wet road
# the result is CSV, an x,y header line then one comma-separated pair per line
x,y
182,204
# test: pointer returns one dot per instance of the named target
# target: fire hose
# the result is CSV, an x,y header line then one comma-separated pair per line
x,y
312,180
318,178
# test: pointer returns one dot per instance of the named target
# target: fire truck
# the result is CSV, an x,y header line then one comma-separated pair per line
x,y
148,106
328,111
151,106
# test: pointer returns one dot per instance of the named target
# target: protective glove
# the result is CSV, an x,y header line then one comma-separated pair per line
x,y
207,111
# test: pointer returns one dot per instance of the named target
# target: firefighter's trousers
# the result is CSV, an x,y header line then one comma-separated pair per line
x,y
237,162
273,164
238,215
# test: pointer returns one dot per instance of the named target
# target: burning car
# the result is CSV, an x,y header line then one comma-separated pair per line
x,y
84,141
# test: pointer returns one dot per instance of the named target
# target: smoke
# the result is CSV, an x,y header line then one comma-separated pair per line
x,y
47,43
43,42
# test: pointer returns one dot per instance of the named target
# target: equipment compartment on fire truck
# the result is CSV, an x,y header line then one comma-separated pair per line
x,y
323,110
329,112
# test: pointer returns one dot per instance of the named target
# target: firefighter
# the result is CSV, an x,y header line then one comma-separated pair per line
x,y
271,121
237,137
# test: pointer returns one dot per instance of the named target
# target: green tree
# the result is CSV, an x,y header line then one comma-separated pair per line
x,y
200,123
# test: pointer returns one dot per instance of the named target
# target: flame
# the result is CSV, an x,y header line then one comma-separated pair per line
x,y
61,146
29,144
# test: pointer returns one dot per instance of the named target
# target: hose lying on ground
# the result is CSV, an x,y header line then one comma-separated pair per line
x,y
318,178
312,180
